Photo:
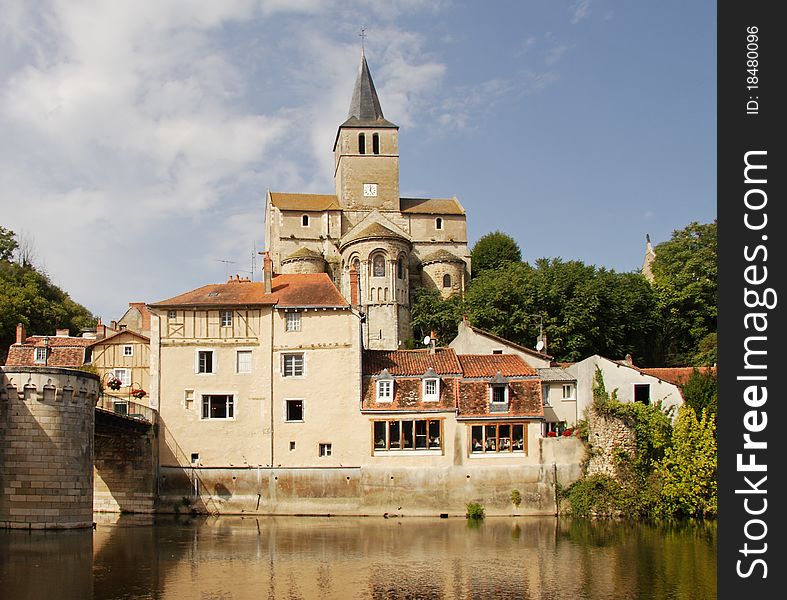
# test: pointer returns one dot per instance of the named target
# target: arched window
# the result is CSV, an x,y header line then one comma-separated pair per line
x,y
400,268
361,143
375,143
357,265
305,220
438,223
378,266
446,281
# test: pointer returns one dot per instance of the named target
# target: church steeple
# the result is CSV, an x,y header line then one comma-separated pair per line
x,y
366,151
365,109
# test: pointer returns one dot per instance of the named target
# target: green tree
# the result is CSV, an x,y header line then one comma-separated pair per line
x,y
583,310
685,283
431,313
8,243
688,470
701,392
493,251
27,296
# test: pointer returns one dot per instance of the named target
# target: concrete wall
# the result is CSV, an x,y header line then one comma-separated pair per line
x,y
46,447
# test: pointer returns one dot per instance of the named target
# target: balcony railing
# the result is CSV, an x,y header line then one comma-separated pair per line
x,y
123,406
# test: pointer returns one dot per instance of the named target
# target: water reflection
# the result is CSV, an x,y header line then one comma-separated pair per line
x,y
346,558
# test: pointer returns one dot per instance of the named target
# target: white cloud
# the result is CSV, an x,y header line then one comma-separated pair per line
x,y
579,11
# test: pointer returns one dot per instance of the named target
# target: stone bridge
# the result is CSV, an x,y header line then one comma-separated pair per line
x,y
66,450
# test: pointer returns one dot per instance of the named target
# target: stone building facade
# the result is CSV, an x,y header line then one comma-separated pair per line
x,y
376,246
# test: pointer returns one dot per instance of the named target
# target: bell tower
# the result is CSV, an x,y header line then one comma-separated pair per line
x,y
366,151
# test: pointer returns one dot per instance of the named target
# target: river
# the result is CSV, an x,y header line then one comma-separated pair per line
x,y
343,558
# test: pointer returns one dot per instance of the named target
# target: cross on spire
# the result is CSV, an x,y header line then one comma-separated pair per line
x,y
362,35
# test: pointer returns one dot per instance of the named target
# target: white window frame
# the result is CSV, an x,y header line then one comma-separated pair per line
x,y
41,355
303,410
128,350
172,315
324,449
244,351
571,392
492,402
381,385
229,403
124,375
225,318
433,397
214,361
292,321
294,375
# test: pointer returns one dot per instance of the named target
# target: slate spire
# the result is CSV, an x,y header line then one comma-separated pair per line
x,y
365,105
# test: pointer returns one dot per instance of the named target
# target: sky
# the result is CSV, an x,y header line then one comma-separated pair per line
x,y
138,137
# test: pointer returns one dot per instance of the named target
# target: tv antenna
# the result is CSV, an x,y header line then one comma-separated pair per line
x,y
227,264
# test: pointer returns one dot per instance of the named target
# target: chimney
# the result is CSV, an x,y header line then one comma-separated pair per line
x,y
353,286
21,333
61,332
113,325
267,271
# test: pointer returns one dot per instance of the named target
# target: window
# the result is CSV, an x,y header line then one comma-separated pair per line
x,y
294,410
568,391
545,394
378,266
41,355
375,143
361,143
446,281
555,429
400,268
172,314
205,362
124,375
431,390
218,406
385,390
293,321
408,434
243,361
438,223
188,398
128,350
226,318
499,394
292,365
497,352
497,438
305,221
642,393
325,449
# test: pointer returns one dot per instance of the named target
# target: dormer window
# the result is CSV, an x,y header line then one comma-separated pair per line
x,y
498,393
361,143
40,355
438,223
430,390
375,143
385,384
305,221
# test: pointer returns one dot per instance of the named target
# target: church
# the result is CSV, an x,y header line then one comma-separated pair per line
x,y
375,245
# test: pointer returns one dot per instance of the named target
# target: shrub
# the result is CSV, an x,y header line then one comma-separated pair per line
x,y
516,498
475,511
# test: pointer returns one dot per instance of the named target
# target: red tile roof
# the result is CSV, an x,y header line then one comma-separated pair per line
x,y
676,375
291,290
63,351
488,365
411,362
304,202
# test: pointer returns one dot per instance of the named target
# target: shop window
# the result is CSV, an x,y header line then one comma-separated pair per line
x,y
498,438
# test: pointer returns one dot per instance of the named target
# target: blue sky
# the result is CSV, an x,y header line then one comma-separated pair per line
x,y
139,137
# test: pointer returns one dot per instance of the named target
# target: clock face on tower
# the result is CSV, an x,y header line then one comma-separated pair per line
x,y
370,189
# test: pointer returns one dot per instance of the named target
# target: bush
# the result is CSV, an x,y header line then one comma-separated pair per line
x,y
475,511
594,496
516,498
